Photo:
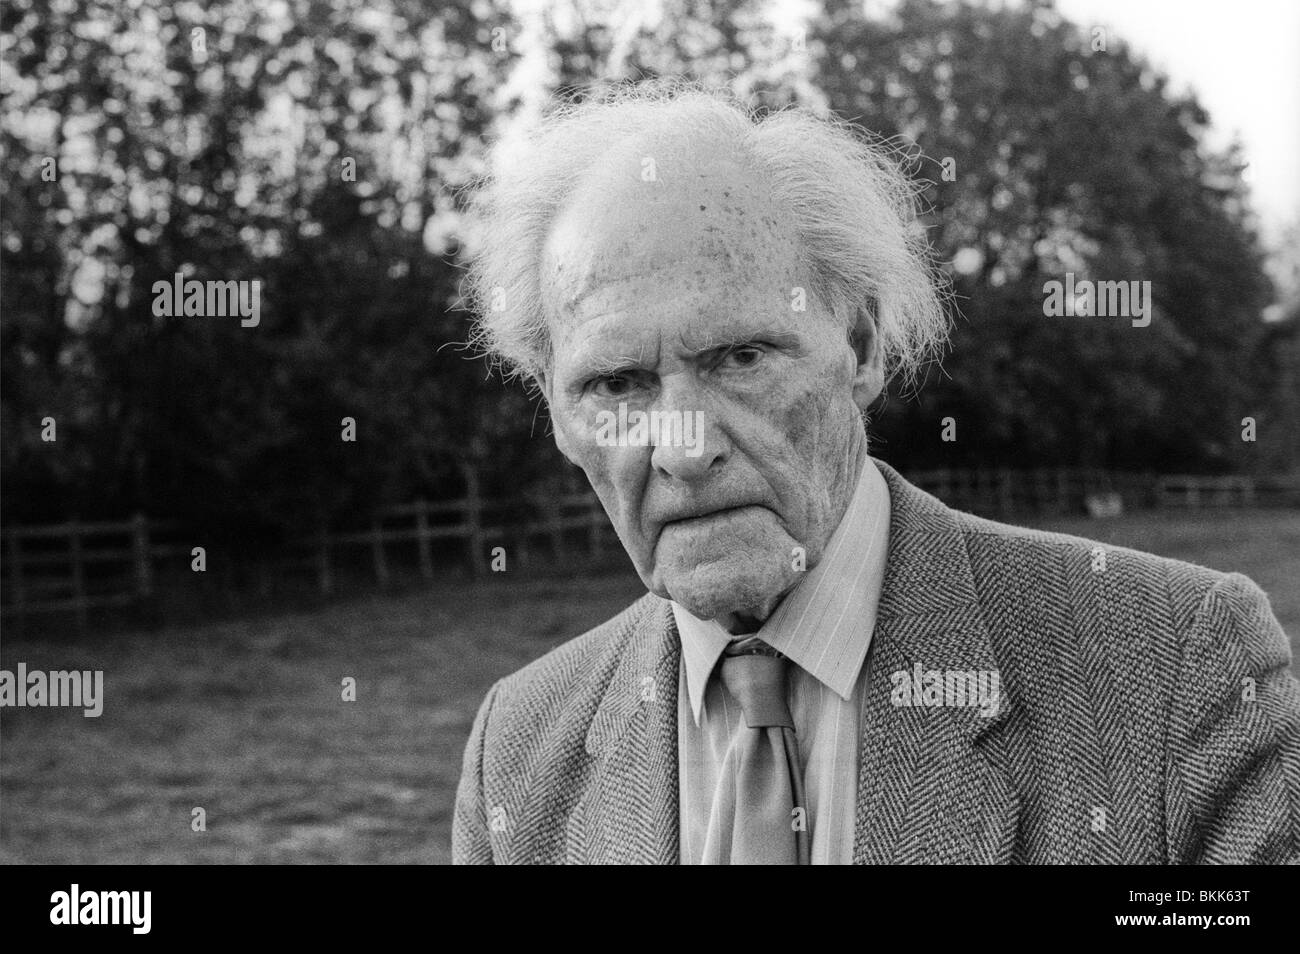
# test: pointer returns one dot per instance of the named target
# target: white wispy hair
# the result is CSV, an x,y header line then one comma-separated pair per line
x,y
848,196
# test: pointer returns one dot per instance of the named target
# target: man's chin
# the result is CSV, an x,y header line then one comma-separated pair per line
x,y
734,585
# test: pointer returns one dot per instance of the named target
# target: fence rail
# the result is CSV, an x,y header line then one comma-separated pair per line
x,y
77,565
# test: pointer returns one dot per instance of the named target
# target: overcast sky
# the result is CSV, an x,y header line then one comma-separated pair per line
x,y
1242,58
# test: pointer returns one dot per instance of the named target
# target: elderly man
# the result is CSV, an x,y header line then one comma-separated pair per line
x,y
831,666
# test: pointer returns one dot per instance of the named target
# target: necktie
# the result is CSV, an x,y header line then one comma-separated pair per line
x,y
761,784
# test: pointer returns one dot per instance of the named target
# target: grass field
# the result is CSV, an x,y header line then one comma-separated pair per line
x,y
245,719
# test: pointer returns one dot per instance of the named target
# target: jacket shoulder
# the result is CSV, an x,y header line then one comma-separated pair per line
x,y
560,690
562,666
1092,566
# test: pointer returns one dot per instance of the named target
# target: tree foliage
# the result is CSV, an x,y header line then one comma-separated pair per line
x,y
1067,158
216,139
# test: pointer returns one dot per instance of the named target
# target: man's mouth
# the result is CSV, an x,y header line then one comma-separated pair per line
x,y
689,519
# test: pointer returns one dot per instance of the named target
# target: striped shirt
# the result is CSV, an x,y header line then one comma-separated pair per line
x,y
824,626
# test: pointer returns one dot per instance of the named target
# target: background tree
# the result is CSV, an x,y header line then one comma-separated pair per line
x,y
1067,159
321,146
313,146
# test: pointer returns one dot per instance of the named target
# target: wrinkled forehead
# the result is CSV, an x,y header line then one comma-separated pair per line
x,y
670,211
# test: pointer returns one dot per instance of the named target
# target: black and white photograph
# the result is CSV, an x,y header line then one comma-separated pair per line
x,y
702,432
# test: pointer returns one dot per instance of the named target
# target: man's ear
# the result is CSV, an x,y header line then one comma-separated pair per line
x,y
869,378
561,439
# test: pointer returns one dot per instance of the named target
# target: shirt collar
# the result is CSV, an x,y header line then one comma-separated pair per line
x,y
824,624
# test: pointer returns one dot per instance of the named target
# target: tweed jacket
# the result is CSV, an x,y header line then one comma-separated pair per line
x,y
1147,715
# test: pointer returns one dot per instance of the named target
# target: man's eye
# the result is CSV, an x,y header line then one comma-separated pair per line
x,y
743,356
612,385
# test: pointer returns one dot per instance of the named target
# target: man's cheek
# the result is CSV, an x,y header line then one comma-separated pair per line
x,y
616,475
801,417
577,438
597,461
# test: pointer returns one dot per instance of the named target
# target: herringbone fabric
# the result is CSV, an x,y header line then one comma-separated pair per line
x,y
1146,715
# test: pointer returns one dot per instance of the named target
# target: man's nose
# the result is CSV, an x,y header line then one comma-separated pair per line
x,y
692,451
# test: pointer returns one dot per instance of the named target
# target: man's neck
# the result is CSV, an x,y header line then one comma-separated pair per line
x,y
743,624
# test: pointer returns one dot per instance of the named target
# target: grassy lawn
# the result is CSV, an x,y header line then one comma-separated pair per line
x,y
245,719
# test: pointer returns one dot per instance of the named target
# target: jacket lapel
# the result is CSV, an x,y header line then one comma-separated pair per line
x,y
631,808
934,785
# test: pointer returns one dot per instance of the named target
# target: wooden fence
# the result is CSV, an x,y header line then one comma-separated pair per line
x,y
78,565
1004,491
1060,491
481,525
75,566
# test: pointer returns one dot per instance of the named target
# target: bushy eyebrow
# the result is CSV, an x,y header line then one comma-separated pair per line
x,y
593,363
735,337
599,364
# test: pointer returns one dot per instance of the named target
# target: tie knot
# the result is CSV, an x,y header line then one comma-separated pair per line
x,y
754,674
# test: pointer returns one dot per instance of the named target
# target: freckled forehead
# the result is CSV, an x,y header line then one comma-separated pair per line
x,y
707,215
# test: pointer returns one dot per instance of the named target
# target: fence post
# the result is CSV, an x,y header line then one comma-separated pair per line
x,y
523,549
377,551
16,575
263,577
474,522
78,573
597,515
422,538
555,529
325,575
140,547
